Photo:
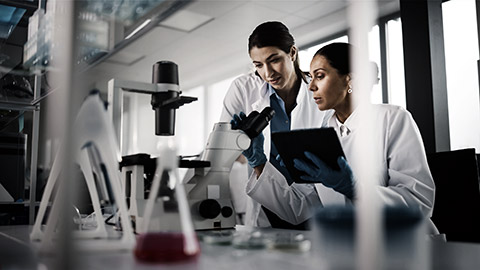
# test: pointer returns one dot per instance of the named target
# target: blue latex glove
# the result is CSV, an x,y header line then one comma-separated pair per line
x,y
237,119
280,161
341,181
254,154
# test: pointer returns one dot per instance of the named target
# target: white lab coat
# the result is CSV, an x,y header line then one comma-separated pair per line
x,y
238,182
249,93
404,176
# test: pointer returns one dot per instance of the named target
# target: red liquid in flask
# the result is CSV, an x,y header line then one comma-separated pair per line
x,y
163,248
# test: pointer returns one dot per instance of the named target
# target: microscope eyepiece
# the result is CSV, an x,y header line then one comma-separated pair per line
x,y
268,112
256,122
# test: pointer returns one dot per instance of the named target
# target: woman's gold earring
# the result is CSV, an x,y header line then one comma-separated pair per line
x,y
349,89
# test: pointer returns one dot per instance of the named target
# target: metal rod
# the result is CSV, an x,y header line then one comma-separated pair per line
x,y
34,153
383,60
34,143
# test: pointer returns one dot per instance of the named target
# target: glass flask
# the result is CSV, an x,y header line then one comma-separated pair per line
x,y
168,235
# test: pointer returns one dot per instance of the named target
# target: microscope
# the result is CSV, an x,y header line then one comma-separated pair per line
x,y
208,190
138,170
166,98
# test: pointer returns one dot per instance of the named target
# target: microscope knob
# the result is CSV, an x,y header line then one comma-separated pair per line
x,y
209,208
243,141
227,211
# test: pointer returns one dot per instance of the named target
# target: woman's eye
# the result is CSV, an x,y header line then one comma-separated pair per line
x,y
320,76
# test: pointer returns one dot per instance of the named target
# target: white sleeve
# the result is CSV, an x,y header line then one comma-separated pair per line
x,y
234,101
410,181
295,203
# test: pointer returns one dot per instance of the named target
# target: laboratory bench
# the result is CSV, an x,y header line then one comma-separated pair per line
x,y
17,252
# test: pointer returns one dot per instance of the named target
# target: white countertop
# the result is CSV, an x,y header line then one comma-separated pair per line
x,y
16,252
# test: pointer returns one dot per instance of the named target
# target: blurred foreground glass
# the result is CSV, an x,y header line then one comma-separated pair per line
x,y
404,234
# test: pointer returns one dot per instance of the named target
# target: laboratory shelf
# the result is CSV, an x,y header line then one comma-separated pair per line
x,y
137,17
18,106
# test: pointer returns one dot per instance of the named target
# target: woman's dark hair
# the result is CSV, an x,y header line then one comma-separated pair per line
x,y
274,34
338,56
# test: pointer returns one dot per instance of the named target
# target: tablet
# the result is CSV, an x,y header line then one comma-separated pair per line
x,y
323,142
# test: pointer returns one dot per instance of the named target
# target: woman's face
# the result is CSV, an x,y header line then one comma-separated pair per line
x,y
275,66
329,88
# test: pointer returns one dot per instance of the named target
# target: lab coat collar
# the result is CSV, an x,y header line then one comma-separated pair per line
x,y
302,92
271,91
351,123
264,100
266,91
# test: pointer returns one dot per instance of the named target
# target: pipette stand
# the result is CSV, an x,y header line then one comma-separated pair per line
x,y
98,155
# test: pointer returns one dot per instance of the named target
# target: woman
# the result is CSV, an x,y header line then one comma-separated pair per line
x,y
279,83
404,177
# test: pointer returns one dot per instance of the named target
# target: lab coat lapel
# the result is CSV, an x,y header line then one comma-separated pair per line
x,y
306,111
264,99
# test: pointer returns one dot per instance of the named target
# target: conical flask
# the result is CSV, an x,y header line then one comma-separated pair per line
x,y
169,235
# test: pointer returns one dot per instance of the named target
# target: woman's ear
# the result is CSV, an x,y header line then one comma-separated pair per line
x,y
293,53
349,78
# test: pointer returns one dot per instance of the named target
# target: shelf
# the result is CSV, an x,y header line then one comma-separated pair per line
x,y
103,30
141,25
18,106
27,203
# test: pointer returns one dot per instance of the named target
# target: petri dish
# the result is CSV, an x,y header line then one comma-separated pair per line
x,y
221,237
250,240
289,242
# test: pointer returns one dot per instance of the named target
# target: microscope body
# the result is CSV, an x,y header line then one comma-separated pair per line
x,y
138,170
208,191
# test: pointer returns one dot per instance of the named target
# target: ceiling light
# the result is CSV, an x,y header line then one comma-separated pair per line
x,y
140,27
185,20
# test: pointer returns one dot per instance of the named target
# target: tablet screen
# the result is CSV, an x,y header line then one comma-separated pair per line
x,y
323,142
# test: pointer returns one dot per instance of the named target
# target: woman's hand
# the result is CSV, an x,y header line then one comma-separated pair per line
x,y
254,154
341,181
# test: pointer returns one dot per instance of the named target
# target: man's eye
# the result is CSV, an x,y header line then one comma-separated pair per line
x,y
258,66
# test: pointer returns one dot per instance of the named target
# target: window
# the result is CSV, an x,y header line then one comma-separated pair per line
x,y
190,124
395,69
376,96
305,56
461,55
215,95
